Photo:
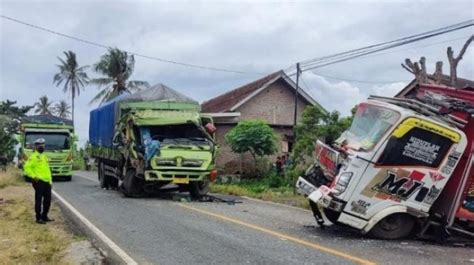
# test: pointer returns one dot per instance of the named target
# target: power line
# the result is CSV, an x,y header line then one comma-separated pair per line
x,y
130,52
416,47
307,87
317,63
384,43
377,54
360,81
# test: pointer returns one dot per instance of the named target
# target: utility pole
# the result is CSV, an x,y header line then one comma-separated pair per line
x,y
298,70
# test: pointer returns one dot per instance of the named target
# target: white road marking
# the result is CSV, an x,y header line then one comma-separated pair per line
x,y
122,254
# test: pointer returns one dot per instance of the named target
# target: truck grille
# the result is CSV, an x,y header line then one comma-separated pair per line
x,y
56,160
179,162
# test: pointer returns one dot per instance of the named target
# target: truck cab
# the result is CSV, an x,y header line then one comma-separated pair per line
x,y
59,147
395,163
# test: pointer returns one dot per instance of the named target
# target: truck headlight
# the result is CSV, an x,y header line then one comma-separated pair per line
x,y
342,183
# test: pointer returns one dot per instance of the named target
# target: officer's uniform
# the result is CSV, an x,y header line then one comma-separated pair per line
x,y
37,168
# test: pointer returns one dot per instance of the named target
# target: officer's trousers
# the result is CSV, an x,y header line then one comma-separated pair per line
x,y
42,196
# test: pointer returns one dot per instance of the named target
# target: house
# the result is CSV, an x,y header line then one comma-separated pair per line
x,y
445,81
272,99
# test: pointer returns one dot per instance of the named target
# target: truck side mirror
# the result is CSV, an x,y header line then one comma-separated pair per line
x,y
210,128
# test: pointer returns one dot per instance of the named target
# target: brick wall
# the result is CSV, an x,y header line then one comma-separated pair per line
x,y
275,105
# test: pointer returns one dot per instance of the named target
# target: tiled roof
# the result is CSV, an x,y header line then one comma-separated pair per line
x,y
226,101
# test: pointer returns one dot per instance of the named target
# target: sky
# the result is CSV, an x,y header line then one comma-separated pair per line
x,y
256,37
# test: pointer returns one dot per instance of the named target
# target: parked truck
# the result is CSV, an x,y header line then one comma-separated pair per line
x,y
59,148
154,137
405,166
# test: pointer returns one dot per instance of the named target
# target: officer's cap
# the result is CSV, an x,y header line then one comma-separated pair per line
x,y
39,141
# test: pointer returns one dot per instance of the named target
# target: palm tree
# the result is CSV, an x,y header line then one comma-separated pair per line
x,y
43,106
62,109
73,76
116,66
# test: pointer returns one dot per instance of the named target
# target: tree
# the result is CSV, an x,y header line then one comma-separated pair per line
x,y
43,106
62,109
117,67
316,125
454,61
253,136
418,69
73,76
10,117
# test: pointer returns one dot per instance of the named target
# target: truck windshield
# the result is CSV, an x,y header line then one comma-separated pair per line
x,y
369,125
178,134
54,141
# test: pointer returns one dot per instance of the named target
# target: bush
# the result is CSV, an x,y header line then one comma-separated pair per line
x,y
276,181
263,167
78,163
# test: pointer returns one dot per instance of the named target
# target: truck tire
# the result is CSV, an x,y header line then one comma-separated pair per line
x,y
132,186
113,182
67,178
103,183
197,189
394,226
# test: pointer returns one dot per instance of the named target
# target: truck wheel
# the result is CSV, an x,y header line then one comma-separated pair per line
x,y
103,183
394,226
113,182
197,189
67,178
132,186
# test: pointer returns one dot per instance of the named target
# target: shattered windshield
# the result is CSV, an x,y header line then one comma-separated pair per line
x,y
179,134
369,125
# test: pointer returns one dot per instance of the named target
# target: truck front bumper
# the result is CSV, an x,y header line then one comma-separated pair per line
x,y
61,169
177,177
320,196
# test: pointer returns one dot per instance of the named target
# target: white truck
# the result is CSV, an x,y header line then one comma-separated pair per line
x,y
406,165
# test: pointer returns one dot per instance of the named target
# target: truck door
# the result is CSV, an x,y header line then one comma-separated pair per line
x,y
410,168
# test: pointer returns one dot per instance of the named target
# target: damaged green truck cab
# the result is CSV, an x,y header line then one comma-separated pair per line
x,y
59,147
155,142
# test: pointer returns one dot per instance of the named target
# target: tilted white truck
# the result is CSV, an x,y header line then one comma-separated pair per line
x,y
406,166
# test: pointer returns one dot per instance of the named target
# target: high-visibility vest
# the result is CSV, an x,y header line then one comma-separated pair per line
x,y
37,166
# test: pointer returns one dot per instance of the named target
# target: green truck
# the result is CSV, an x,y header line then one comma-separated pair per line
x,y
59,148
152,138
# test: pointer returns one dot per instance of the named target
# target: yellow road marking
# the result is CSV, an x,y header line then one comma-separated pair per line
x,y
287,237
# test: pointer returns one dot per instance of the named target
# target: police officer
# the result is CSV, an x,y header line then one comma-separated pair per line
x,y
37,168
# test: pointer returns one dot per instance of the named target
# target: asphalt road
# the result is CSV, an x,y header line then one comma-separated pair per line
x,y
162,231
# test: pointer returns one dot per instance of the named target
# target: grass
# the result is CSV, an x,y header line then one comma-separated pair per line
x,y
78,163
264,189
11,177
22,241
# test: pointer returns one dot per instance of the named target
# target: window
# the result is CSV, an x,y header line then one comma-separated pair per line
x,y
369,125
418,147
54,141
